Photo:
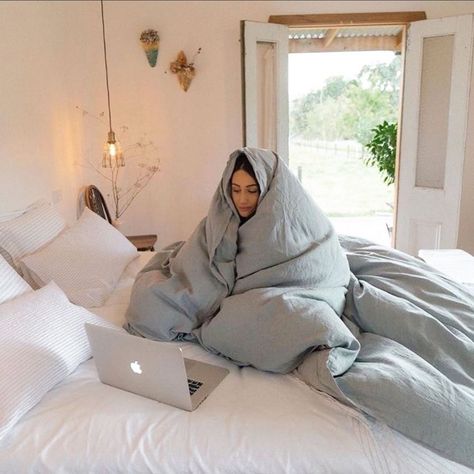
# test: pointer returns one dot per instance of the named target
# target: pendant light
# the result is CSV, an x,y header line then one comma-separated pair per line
x,y
113,156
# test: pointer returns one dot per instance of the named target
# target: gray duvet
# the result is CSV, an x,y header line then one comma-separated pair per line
x,y
371,326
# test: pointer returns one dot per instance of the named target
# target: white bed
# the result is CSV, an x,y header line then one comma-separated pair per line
x,y
254,422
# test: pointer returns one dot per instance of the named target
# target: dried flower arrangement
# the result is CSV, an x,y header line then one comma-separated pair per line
x,y
150,41
185,71
143,154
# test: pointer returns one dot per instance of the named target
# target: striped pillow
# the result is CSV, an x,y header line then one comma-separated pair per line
x,y
42,340
11,284
28,232
8,216
86,260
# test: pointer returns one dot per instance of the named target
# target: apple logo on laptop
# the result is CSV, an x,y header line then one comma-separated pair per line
x,y
135,366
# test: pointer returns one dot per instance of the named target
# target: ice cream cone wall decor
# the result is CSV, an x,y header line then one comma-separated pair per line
x,y
151,45
185,71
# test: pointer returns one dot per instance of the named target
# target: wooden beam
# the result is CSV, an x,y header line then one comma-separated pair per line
x,y
400,37
348,19
330,35
362,43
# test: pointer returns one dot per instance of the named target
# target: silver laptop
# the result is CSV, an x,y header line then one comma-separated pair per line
x,y
152,369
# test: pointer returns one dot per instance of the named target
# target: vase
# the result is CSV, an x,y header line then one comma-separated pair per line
x,y
151,51
117,223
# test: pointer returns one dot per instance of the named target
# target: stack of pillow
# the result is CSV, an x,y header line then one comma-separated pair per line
x,y
84,260
42,336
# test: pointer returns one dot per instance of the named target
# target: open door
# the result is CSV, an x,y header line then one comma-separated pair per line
x,y
433,133
265,86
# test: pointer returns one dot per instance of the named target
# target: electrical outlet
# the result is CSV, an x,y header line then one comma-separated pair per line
x,y
57,196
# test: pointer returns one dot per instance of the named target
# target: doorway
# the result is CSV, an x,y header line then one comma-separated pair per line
x,y
266,49
430,150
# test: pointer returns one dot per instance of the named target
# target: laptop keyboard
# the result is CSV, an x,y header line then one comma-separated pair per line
x,y
193,385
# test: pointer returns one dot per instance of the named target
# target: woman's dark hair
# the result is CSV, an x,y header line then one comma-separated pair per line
x,y
242,163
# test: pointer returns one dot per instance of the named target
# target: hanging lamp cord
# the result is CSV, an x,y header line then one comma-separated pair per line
x,y
105,60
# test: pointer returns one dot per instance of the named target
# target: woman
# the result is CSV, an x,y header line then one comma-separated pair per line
x,y
264,246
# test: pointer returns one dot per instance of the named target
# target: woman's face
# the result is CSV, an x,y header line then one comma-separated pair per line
x,y
245,193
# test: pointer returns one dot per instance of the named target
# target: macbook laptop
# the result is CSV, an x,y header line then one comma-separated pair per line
x,y
152,369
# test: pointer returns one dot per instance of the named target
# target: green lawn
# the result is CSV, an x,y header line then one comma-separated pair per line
x,y
339,181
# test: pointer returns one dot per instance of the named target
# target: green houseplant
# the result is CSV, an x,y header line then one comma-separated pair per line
x,y
383,150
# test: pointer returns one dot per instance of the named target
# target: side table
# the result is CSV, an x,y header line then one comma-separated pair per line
x,y
143,242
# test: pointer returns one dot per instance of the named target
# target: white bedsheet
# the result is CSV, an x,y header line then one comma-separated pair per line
x,y
254,422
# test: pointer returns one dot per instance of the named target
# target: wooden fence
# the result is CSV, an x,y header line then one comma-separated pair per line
x,y
346,148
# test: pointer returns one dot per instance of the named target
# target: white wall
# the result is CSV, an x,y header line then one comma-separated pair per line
x,y
52,62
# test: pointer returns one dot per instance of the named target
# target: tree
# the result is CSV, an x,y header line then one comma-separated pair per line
x,y
349,109
366,108
306,112
384,77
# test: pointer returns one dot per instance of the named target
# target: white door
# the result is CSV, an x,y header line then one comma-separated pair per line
x,y
265,63
433,133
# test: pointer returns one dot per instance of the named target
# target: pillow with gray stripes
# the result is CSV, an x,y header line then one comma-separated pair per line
x,y
29,231
86,260
11,284
42,337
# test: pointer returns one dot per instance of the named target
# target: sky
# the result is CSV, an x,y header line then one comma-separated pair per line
x,y
308,71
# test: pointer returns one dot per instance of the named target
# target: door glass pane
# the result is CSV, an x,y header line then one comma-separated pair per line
x,y
266,95
434,111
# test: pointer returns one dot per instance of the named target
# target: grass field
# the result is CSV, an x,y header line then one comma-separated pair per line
x,y
339,181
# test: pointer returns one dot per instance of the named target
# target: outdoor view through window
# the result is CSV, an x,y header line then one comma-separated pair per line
x,y
336,102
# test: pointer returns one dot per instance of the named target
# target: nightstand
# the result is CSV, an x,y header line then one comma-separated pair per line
x,y
143,242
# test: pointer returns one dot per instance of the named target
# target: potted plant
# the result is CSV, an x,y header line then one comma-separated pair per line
x,y
383,150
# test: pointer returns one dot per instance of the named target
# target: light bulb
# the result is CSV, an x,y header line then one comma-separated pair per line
x,y
113,155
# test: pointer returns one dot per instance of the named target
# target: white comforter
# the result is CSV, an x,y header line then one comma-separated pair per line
x,y
254,422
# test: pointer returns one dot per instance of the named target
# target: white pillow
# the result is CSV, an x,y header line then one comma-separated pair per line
x,y
42,340
12,214
85,261
11,284
25,234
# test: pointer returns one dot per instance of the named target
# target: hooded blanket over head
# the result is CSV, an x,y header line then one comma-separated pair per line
x,y
238,288
270,293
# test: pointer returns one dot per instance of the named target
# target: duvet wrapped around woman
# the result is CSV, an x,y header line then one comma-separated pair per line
x,y
262,280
